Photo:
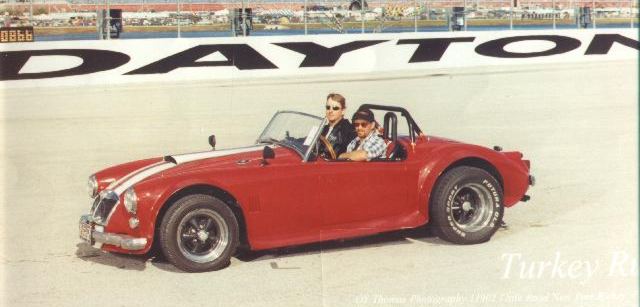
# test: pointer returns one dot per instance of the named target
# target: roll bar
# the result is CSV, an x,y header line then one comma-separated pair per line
x,y
413,127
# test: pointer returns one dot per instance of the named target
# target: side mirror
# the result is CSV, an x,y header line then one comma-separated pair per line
x,y
267,153
212,141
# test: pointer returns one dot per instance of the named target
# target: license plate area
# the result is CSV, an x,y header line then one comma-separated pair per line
x,y
85,232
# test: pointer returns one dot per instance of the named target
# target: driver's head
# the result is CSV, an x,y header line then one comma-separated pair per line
x,y
335,106
363,122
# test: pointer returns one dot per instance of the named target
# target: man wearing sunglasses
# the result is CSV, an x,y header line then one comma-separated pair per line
x,y
339,131
368,144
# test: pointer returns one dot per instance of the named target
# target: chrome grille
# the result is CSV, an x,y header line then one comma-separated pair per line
x,y
96,201
103,205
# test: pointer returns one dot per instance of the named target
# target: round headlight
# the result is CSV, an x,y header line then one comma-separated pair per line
x,y
131,200
92,186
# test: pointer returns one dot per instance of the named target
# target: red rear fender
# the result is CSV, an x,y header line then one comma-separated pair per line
x,y
508,168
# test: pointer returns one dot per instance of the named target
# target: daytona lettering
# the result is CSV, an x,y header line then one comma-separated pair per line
x,y
243,57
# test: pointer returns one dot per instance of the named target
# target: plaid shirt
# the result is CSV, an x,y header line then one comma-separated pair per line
x,y
373,144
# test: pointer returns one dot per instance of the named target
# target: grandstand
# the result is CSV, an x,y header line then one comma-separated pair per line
x,y
213,5
48,13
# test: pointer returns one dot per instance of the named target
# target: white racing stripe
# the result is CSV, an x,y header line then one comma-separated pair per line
x,y
115,183
141,176
212,154
150,170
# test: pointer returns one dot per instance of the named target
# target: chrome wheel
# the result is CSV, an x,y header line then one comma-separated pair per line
x,y
202,235
466,205
472,208
199,233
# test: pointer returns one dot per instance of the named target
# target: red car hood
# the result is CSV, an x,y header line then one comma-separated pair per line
x,y
176,164
208,160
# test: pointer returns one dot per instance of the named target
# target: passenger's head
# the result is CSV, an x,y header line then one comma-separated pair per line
x,y
335,107
364,122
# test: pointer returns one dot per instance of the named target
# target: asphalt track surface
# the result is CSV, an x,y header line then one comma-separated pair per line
x,y
578,123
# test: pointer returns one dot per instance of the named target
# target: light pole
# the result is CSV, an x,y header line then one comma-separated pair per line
x,y
415,15
593,13
428,10
464,14
511,15
553,9
631,13
108,20
362,14
243,15
304,17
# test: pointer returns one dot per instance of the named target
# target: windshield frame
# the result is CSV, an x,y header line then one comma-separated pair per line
x,y
304,155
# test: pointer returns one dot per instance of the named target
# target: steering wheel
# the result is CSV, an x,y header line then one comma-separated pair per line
x,y
329,147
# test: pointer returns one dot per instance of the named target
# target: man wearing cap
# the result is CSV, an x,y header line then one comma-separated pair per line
x,y
367,145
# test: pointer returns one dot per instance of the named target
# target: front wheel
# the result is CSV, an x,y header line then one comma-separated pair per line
x,y
199,233
466,206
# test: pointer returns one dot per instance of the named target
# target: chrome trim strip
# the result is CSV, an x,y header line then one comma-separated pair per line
x,y
123,241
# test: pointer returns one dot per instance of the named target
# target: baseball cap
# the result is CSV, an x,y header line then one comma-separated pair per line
x,y
364,114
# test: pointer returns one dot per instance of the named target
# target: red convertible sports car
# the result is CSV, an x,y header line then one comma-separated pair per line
x,y
198,208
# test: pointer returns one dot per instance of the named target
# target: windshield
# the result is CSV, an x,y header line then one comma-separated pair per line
x,y
295,130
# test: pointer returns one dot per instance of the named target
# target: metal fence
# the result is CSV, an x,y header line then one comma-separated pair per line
x,y
210,17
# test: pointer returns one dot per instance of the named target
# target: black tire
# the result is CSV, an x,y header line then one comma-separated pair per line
x,y
466,206
199,233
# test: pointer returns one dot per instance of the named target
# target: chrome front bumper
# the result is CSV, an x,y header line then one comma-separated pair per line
x,y
92,234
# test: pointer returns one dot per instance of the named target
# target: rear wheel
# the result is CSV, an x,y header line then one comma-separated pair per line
x,y
199,233
466,206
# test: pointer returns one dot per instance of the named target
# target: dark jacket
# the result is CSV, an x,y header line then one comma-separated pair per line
x,y
341,135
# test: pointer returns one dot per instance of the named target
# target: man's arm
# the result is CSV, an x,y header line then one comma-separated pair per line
x,y
374,148
356,155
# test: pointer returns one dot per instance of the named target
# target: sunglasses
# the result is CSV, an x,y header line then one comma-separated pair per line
x,y
332,108
360,124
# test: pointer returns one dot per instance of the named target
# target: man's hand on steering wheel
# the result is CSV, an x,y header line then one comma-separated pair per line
x,y
328,147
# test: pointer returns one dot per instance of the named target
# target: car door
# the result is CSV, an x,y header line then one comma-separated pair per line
x,y
288,213
366,196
